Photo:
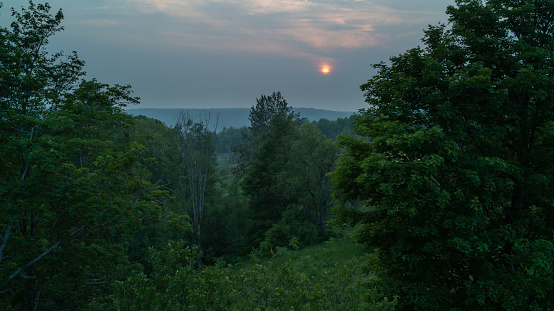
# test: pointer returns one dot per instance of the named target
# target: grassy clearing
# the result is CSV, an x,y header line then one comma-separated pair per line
x,y
327,276
330,254
335,251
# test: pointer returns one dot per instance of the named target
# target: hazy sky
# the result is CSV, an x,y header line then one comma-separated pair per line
x,y
226,53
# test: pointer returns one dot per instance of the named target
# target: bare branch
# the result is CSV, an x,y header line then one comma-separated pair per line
x,y
197,147
72,235
7,290
5,238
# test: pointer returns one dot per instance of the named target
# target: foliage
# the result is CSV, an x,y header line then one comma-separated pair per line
x,y
332,129
457,170
162,157
70,180
287,184
263,184
225,223
260,116
291,230
311,157
328,277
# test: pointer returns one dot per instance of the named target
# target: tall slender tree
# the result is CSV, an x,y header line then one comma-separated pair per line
x,y
197,147
267,107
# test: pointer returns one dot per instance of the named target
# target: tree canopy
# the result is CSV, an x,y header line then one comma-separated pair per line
x,y
455,162
70,176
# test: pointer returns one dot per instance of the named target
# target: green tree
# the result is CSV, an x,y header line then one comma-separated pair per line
x,y
332,129
162,158
263,182
225,221
312,157
69,174
323,279
287,183
457,173
260,116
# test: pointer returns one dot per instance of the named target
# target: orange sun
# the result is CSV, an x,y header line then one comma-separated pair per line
x,y
325,69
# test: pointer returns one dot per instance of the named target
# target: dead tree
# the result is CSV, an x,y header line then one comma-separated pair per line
x,y
197,147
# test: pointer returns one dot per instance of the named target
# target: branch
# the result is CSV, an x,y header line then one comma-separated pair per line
x,y
98,281
7,290
5,238
72,236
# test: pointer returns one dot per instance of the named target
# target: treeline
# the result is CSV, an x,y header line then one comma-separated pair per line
x,y
282,162
448,177
100,210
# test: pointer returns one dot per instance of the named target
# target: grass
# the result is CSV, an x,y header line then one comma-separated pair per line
x,y
332,275
327,254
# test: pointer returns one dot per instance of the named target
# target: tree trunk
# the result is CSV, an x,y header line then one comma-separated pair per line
x,y
199,241
31,289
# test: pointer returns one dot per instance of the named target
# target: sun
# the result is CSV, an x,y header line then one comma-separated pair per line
x,y
325,69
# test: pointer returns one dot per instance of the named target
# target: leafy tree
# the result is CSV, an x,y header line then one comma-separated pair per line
x,y
312,157
225,222
228,137
332,129
287,184
289,280
160,142
69,174
458,176
162,157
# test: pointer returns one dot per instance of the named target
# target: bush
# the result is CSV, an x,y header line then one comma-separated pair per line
x,y
289,232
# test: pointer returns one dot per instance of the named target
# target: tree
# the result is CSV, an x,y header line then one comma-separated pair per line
x,y
332,129
197,148
260,116
285,176
457,173
69,174
264,183
162,158
287,184
312,157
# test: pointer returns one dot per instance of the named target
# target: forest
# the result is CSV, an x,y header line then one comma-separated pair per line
x,y
438,196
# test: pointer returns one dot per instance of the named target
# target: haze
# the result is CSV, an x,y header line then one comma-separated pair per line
x,y
225,53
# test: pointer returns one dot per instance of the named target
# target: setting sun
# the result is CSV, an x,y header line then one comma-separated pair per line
x,y
325,69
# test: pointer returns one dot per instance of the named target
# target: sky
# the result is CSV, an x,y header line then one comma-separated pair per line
x,y
226,53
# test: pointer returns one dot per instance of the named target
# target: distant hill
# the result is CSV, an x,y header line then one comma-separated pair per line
x,y
230,117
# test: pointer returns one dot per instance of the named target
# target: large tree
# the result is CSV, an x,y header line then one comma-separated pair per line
x,y
311,157
457,173
264,183
69,173
287,184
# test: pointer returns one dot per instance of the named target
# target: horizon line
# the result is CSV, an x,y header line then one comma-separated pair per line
x,y
211,108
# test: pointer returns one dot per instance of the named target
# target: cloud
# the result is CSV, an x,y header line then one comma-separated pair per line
x,y
277,6
289,27
99,22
